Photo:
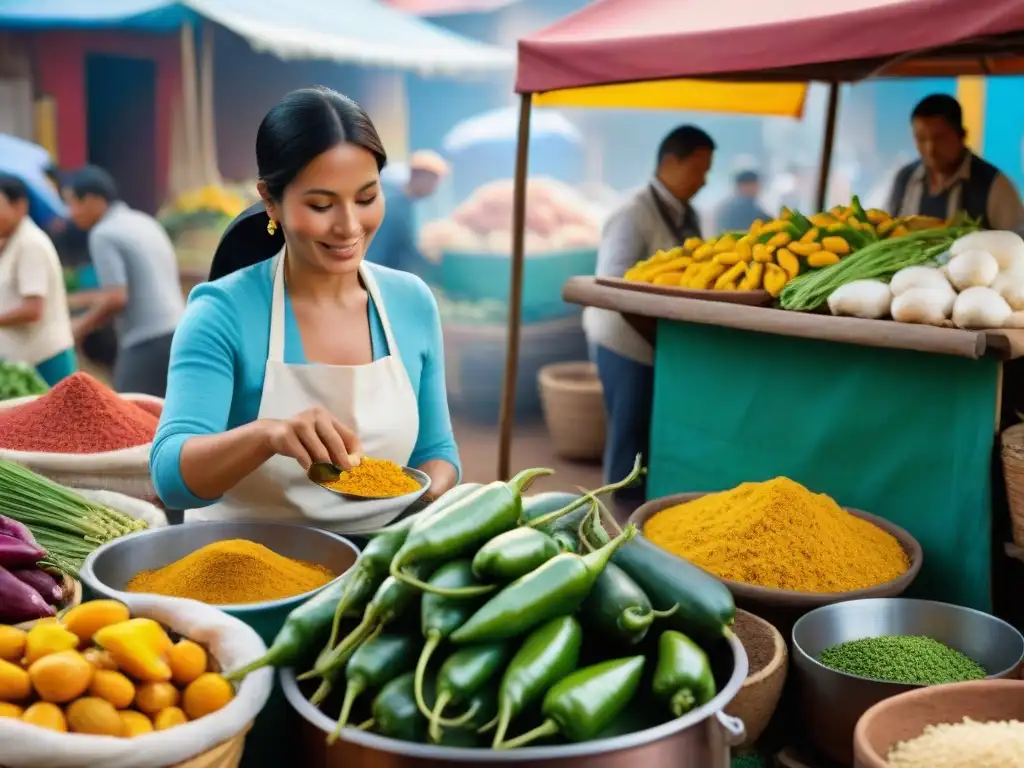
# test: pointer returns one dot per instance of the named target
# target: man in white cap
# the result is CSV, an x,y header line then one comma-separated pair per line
x,y
394,245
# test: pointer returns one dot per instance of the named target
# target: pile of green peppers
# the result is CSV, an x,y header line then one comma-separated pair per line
x,y
549,627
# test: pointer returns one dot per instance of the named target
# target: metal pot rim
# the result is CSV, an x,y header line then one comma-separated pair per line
x,y
89,578
587,749
805,657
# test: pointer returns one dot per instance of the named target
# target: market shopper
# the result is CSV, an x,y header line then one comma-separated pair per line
x,y
403,186
741,208
35,327
137,270
949,178
658,217
308,352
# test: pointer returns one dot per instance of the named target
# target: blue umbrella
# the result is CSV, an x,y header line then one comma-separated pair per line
x,y
29,162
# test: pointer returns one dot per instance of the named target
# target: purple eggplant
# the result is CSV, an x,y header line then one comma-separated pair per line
x,y
42,582
17,530
19,602
15,553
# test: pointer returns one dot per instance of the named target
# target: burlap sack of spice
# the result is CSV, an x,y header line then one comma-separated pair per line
x,y
230,641
124,471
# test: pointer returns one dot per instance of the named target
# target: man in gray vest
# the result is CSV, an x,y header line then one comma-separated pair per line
x,y
949,178
140,287
657,217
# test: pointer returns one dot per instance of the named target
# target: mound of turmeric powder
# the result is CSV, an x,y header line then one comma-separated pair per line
x,y
779,534
231,572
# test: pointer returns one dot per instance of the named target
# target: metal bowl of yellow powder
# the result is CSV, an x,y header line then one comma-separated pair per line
x,y
777,544
255,570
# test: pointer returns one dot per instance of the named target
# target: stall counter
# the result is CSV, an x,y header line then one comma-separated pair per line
x,y
897,420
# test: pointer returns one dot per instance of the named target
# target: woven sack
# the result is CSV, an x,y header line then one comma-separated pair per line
x,y
125,471
1012,441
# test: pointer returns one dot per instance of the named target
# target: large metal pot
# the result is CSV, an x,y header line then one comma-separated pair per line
x,y
700,739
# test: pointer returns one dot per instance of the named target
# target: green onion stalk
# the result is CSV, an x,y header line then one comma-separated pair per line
x,y
878,261
66,525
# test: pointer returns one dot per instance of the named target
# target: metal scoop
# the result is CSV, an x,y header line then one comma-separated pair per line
x,y
323,472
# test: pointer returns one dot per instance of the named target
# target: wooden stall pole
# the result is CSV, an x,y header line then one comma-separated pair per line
x,y
507,417
190,108
826,147
207,114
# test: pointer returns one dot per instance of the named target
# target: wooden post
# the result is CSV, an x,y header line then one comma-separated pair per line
x,y
190,109
507,418
207,116
826,147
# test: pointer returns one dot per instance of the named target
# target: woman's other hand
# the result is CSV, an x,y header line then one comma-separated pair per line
x,y
314,436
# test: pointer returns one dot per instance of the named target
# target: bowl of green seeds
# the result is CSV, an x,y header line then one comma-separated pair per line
x,y
849,656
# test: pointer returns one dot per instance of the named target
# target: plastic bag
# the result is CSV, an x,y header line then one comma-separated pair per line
x,y
229,640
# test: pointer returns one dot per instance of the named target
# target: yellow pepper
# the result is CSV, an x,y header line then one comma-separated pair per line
x,y
836,245
877,216
780,239
88,618
730,277
704,252
676,265
786,214
774,226
139,647
48,637
634,272
822,259
804,249
789,263
753,279
691,272
899,231
775,279
667,278
888,226
745,249
811,235
762,253
755,228
707,276
693,243
725,244
728,259
822,220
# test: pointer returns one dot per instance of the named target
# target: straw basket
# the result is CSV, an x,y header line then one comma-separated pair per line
x,y
227,754
124,471
1012,441
573,409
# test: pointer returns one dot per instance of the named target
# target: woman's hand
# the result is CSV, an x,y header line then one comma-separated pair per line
x,y
314,436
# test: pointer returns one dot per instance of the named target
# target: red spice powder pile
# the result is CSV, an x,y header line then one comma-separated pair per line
x,y
79,415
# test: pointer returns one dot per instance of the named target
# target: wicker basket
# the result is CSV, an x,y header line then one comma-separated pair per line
x,y
1012,441
573,405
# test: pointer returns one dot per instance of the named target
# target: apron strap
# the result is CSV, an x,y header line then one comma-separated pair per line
x,y
275,349
371,287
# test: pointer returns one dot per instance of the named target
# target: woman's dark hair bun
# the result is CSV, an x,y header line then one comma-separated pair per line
x,y
303,125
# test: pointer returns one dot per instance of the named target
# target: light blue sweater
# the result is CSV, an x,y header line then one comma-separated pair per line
x,y
219,354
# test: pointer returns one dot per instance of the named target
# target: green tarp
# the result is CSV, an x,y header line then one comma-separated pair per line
x,y
907,436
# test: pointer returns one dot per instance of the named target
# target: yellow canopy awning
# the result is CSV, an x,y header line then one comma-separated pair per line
x,y
778,99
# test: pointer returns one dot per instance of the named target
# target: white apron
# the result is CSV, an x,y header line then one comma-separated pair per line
x,y
376,401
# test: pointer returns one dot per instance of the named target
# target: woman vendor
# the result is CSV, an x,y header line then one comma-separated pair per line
x,y
303,351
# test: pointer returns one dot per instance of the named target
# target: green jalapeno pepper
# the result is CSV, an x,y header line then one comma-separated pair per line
x,y
483,705
706,606
557,588
453,495
464,673
374,664
683,678
617,609
586,702
512,554
392,599
308,624
440,615
394,711
458,530
547,655
563,529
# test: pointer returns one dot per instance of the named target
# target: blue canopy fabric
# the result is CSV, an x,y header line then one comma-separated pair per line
x,y
28,162
363,32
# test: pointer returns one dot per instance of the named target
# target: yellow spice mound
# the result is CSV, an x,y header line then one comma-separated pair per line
x,y
378,478
779,534
231,572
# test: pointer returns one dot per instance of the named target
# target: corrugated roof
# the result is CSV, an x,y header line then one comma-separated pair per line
x,y
352,31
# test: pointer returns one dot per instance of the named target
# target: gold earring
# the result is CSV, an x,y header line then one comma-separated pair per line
x,y
271,227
